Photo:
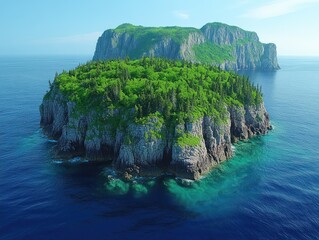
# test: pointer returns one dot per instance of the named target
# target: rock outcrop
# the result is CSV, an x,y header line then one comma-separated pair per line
x,y
228,47
190,151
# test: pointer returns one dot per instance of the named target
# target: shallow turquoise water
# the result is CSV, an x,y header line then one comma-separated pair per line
x,y
269,190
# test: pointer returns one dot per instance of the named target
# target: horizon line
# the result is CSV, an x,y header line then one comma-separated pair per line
x,y
90,54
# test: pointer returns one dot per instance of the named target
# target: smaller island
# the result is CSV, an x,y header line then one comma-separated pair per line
x,y
152,116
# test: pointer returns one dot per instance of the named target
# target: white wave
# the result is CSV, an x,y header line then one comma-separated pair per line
x,y
108,172
78,160
233,148
57,161
184,181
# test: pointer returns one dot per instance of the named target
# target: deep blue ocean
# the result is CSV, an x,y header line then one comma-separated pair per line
x,y
269,190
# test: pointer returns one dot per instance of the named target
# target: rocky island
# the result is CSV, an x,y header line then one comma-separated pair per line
x,y
218,44
152,116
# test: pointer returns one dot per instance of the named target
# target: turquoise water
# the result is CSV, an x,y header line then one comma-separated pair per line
x,y
269,190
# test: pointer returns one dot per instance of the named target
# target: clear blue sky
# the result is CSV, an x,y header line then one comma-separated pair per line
x,y
73,26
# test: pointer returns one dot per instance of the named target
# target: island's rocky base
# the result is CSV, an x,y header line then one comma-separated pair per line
x,y
150,148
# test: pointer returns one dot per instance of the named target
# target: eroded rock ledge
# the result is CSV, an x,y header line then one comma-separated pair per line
x,y
189,151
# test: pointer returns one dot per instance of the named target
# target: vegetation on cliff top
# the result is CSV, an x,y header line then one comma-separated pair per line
x,y
178,34
135,90
147,37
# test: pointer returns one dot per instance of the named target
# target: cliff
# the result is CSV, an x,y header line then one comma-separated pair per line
x,y
228,47
135,132
145,153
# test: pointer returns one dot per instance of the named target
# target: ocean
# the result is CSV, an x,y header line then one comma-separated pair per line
x,y
268,190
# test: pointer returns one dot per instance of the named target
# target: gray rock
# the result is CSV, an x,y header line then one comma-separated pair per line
x,y
114,45
190,161
54,114
248,121
165,48
217,139
143,146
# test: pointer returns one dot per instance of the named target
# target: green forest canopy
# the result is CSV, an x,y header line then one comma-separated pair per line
x,y
176,91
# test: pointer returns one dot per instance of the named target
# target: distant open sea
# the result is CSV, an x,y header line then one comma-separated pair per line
x,y
269,190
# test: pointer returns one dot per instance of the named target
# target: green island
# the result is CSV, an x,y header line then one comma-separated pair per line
x,y
218,44
152,113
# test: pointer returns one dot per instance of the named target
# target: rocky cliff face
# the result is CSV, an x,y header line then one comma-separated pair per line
x,y
243,48
114,45
150,148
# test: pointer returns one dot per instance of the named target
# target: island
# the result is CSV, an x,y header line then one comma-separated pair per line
x,y
218,44
152,116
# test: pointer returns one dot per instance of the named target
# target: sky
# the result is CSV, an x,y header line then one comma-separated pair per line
x,y
73,26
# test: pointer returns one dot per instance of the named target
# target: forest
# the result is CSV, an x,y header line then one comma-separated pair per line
x,y
176,91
